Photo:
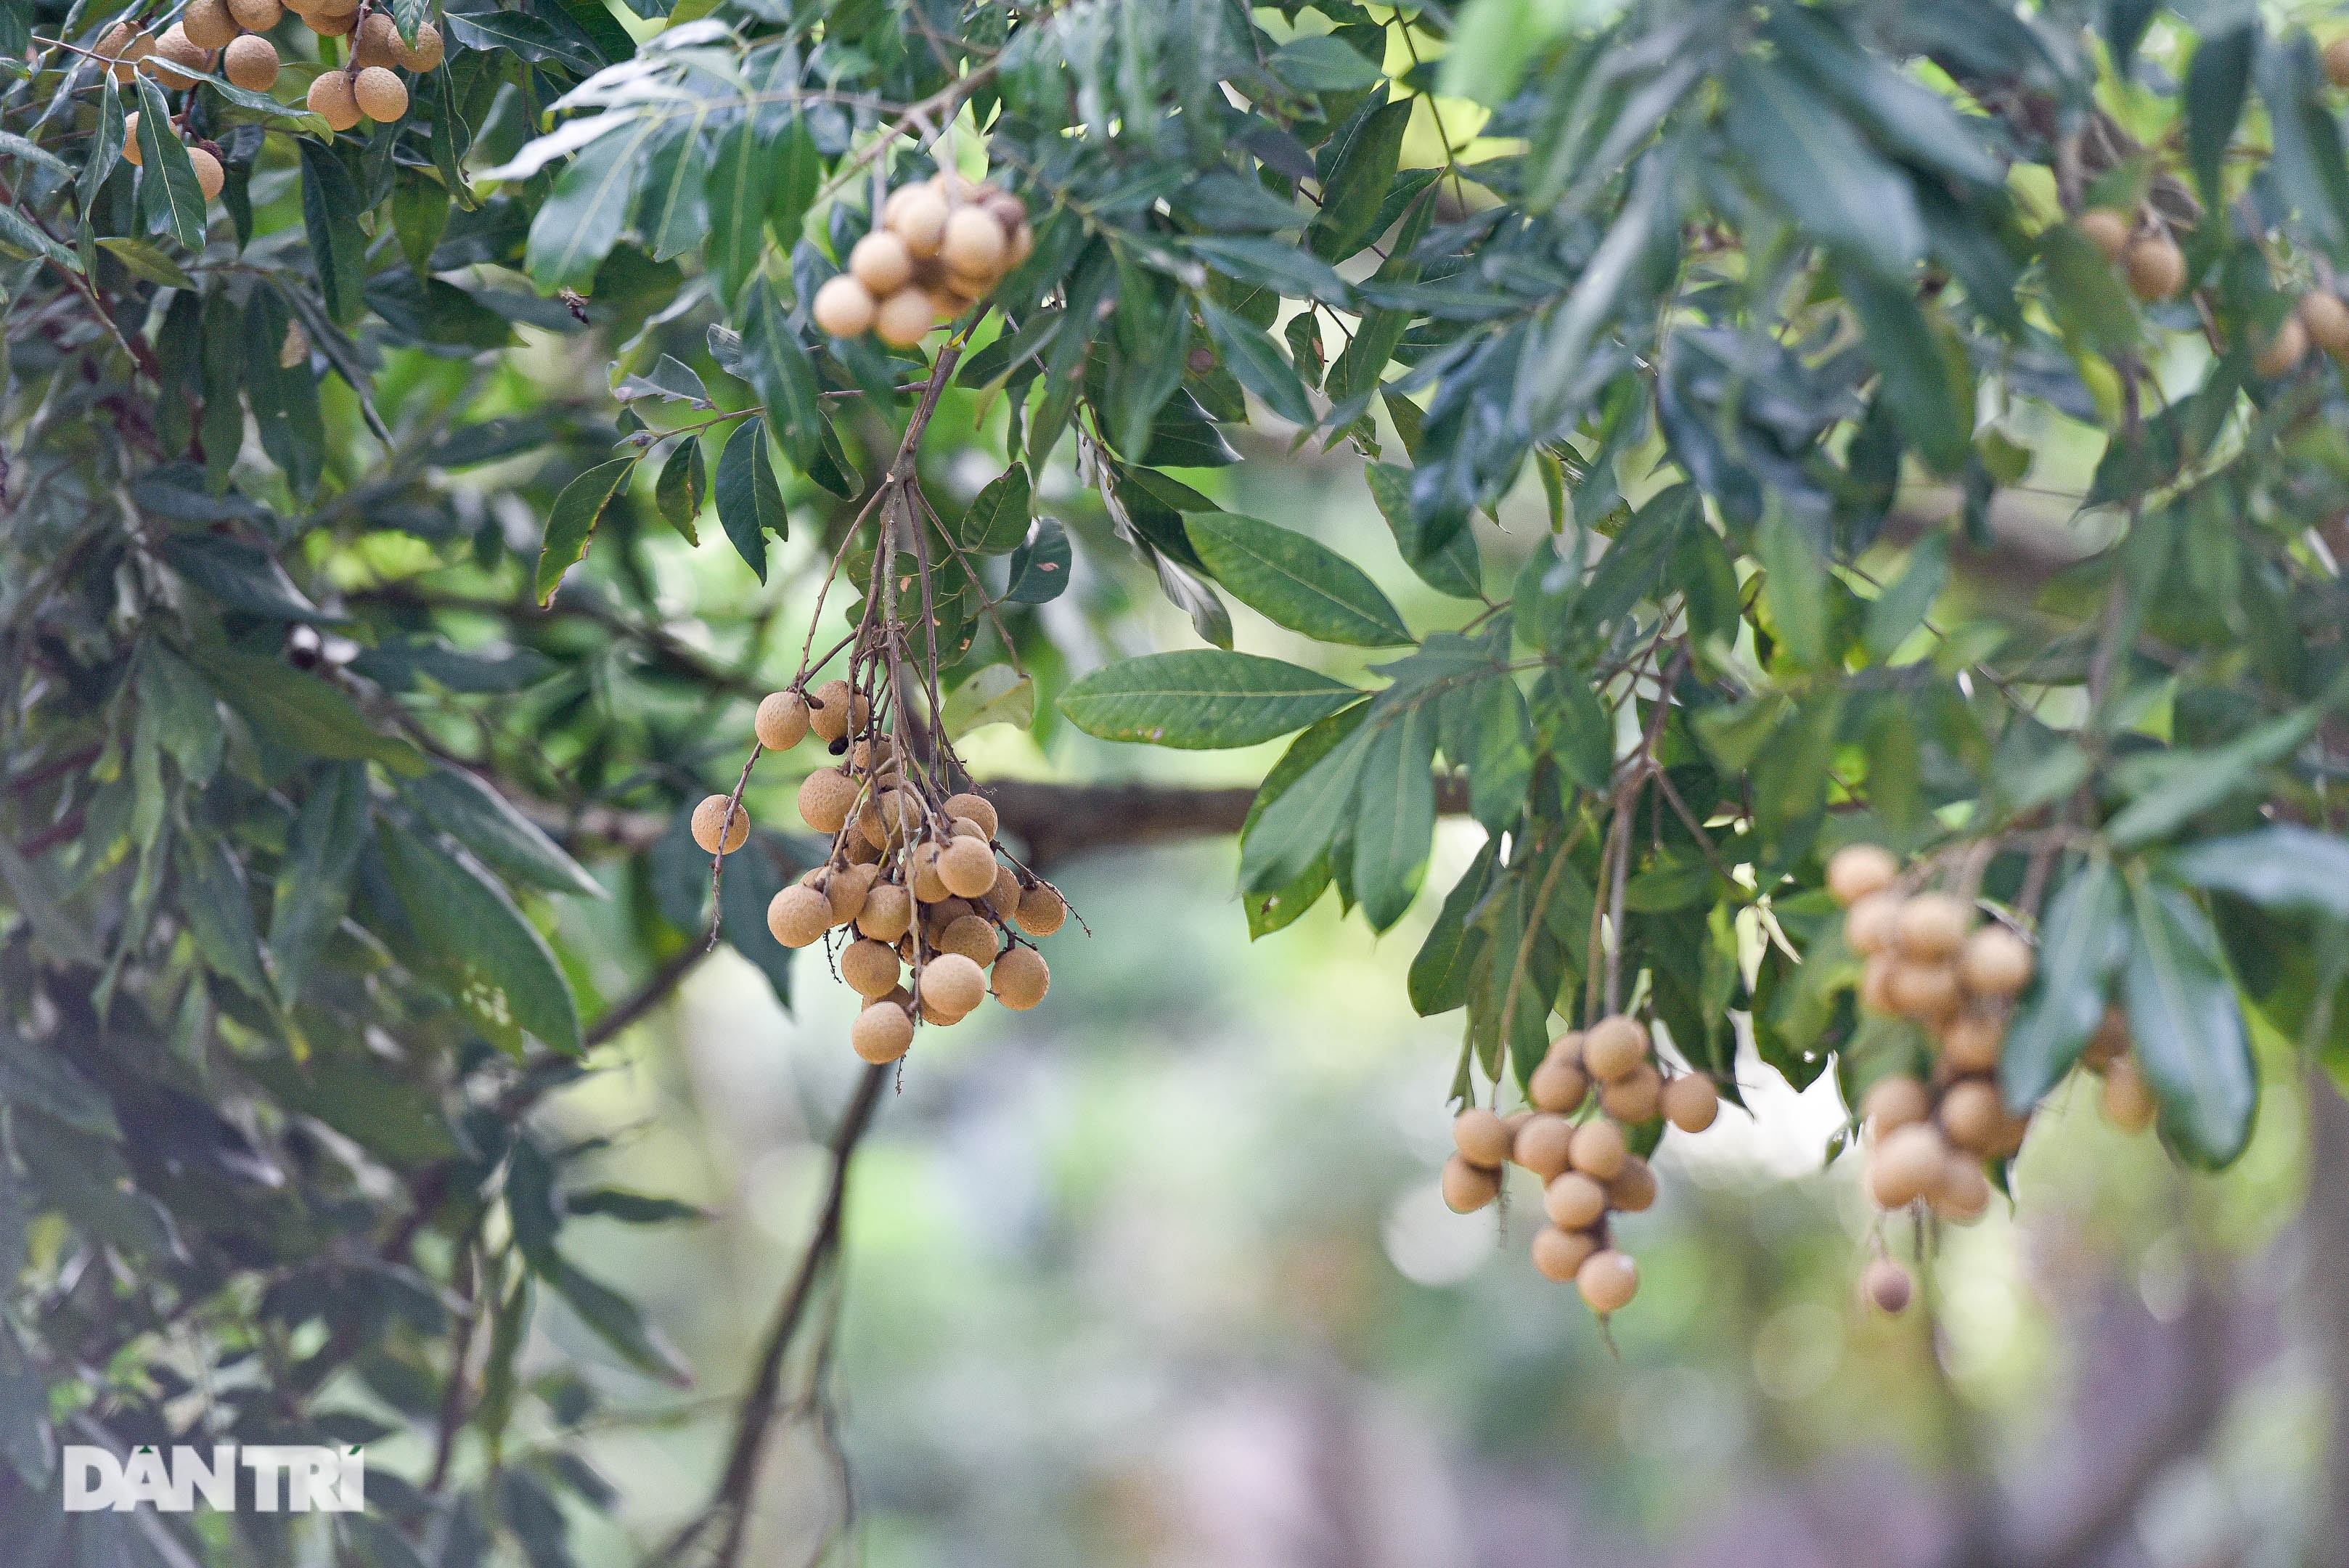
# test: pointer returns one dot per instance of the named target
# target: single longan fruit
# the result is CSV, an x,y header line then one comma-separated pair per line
x,y
1023,246
332,25
922,872
953,983
964,828
209,176
870,967
968,868
1544,1145
971,936
125,46
920,221
888,912
1971,1043
1960,1193
826,797
847,889
331,101
1022,978
904,318
2107,230
1004,897
1692,1103
1608,1281
881,263
251,62
1614,1048
1482,1137
1042,911
799,916
1994,962
2156,267
1931,925
2327,320
719,812
1887,1286
973,245
176,46
886,818
428,52
931,1013
1875,983
259,15
373,43
2280,355
844,307
2336,62
131,152
1006,209
831,710
2011,1130
782,722
1468,1187
1891,1104
1558,1084
1633,1191
882,1033
1598,1150
1927,991
207,24
1573,1201
977,808
1905,1166
1637,1096
2128,1101
1873,926
1972,1116
1558,1254
383,97
944,912
1859,869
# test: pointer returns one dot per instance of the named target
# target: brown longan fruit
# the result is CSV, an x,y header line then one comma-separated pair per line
x,y
1021,978
799,916
1574,1201
720,812
971,936
1959,1191
1875,983
964,828
1468,1187
209,176
1692,1103
1873,925
973,245
1971,1042
1887,1286
844,307
125,46
1633,1191
1905,1165
2336,62
176,46
2280,355
207,24
782,722
251,62
372,45
977,808
1925,991
426,54
1004,897
1637,1096
1972,1116
1614,1048
258,15
329,23
1931,925
953,983
942,1017
1598,1150
920,221
1543,1145
881,263
921,873
1558,1254
1608,1281
1995,962
331,101
383,97
1859,869
2327,320
1042,911
2155,266
1023,245
1558,1084
2107,230
886,818
870,967
882,1033
1482,1137
888,912
944,912
2129,1102
847,889
1891,1104
904,318
968,868
826,797
833,710
132,152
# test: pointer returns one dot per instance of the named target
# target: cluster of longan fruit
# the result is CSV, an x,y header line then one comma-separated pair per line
x,y
1587,1169
915,875
942,247
2155,269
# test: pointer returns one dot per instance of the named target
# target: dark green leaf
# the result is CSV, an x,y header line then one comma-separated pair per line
x,y
1455,567
1395,814
1322,62
492,960
571,526
1201,700
1039,567
300,712
682,488
2081,943
1820,171
483,821
785,375
168,196
330,218
2186,1026
588,209
1258,364
997,519
750,501
1357,180
1295,581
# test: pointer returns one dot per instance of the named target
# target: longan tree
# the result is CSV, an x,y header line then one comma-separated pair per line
x,y
1914,652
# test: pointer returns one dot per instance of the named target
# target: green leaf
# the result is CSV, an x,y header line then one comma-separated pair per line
x,y
2186,1026
419,216
632,1208
1930,396
169,197
1455,568
997,519
1576,728
301,714
571,526
2172,787
588,209
483,821
35,1075
1039,568
1322,62
616,1321
2286,868
1258,364
1201,700
220,915
673,213
1271,911
1296,829
1440,971
1294,581
682,488
1907,119
1355,182
2217,83
21,238
1903,607
366,1100
1395,814
783,375
1813,164
750,501
1795,585
2081,943
496,965
313,888
143,260
330,218
734,193
997,694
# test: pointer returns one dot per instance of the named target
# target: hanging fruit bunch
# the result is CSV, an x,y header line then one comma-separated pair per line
x,y
941,246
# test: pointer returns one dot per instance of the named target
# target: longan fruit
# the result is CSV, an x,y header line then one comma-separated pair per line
x,y
968,868
1482,1137
782,722
1927,991
886,818
1932,925
1873,925
834,710
331,100
372,44
131,152
1959,1191
953,983
207,24
176,46
1543,1145
1615,1047
1972,1116
1598,1150
921,873
2280,355
717,812
888,912
1994,961
904,318
2128,1101
251,62
1875,983
427,51
847,889
977,808
1692,1103
944,912
2327,320
1022,978
826,797
799,916
2107,230
1608,1281
881,264
2111,1040
882,1033
124,45
1905,1165
332,25
258,15
1971,1043
1887,1286
920,221
383,97
1042,911
943,1017
2336,62
1891,1104
1004,897
964,828
2011,1130
1859,869
1633,1191
2156,267
870,967
1573,1201
1558,1254
1006,209
973,245
1635,1098
1558,1084
1468,1187
209,176
844,307
971,936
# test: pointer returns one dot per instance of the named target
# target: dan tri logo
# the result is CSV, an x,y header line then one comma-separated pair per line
x,y
293,1478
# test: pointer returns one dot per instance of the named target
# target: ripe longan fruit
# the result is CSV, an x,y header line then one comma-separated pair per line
x,y
2156,267
1543,1145
920,221
125,46
904,318
1482,1137
1614,1048
1905,1166
846,890
881,263
1960,1193
1971,1116
2336,62
1635,1098
1042,911
1573,1201
331,100
2129,1100
1971,1043
383,97
937,916
2280,355
887,817
207,24
1558,1084
968,868
799,916
834,710
258,15
843,307
1873,925
2327,320
1559,1254
209,176
131,152
973,243
332,25
943,1018
870,967
1859,869
1022,978
2107,230
977,808
372,45
1887,1286
251,62
1891,1104
176,46
427,51
1598,1150
971,936
1927,991
1633,1191
1932,925
953,983
1004,897
782,722
717,812
1468,1187
882,1033
1608,1281
1875,983
1692,1103
922,873
1994,961
888,912
826,797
